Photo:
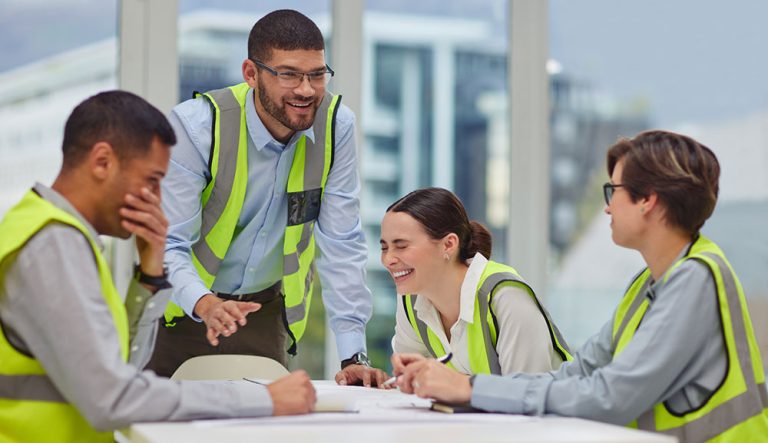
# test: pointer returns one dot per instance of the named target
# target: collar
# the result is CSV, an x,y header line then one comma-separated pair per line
x,y
62,203
477,265
259,134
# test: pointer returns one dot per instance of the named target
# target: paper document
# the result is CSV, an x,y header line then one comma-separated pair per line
x,y
335,398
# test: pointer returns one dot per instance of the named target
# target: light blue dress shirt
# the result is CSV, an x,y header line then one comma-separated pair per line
x,y
254,260
676,356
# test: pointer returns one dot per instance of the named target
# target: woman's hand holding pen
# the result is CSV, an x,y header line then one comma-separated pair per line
x,y
430,378
399,363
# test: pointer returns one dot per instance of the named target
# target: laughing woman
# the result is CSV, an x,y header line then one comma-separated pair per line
x,y
679,355
479,310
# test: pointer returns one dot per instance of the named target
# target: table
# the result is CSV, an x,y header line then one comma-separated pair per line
x,y
366,415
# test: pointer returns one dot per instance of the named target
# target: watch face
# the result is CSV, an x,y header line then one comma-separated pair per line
x,y
361,359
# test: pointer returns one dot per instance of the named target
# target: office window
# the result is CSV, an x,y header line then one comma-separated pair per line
x,y
55,54
621,67
434,114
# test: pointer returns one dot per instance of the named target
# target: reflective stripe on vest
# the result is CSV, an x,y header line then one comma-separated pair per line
x,y
482,334
31,407
223,194
428,337
223,198
737,410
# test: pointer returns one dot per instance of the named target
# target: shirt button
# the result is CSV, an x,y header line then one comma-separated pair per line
x,y
151,305
134,348
138,299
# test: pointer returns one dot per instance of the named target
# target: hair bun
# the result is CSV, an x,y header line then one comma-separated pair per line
x,y
479,241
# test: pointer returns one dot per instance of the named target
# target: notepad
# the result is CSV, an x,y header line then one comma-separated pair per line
x,y
453,408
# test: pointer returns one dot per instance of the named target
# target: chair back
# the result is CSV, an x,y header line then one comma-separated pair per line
x,y
229,367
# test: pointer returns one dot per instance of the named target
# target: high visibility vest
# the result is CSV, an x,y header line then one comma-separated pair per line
x,y
31,407
483,331
736,410
222,200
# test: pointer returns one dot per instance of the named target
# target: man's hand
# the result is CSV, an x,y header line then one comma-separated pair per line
x,y
367,375
143,217
222,317
429,378
292,394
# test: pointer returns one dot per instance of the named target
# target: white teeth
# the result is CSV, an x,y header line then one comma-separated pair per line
x,y
401,273
300,105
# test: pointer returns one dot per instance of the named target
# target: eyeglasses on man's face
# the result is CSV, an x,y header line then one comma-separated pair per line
x,y
292,79
608,190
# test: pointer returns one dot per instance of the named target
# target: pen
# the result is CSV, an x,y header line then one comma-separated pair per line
x,y
444,360
253,381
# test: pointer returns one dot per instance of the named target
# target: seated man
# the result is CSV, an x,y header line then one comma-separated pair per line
x,y
70,349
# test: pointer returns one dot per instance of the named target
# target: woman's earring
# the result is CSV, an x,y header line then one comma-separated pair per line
x,y
446,257
642,210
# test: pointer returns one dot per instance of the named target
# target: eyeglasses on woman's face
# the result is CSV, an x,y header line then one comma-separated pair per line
x,y
608,190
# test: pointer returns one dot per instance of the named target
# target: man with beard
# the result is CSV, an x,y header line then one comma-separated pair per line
x,y
70,344
263,172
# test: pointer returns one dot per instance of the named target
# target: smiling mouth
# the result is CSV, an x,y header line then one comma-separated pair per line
x,y
399,275
300,105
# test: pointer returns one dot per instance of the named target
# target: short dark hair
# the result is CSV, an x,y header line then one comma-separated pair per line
x,y
284,29
123,119
683,173
442,213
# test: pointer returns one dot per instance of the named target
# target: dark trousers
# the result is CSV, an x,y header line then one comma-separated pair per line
x,y
264,334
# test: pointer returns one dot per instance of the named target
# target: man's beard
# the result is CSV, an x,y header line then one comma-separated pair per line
x,y
279,114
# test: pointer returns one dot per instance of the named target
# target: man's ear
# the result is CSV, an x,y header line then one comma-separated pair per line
x,y
249,74
102,160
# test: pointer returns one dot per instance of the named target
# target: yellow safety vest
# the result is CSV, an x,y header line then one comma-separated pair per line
x,y
31,408
736,411
482,332
223,197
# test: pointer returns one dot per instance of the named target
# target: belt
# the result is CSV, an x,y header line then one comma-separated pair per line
x,y
263,296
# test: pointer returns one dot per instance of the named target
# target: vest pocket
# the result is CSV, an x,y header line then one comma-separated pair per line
x,y
304,206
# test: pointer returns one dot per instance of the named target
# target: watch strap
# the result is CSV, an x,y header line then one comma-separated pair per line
x,y
359,358
159,282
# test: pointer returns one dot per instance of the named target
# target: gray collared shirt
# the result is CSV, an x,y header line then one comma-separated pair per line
x,y
676,356
52,307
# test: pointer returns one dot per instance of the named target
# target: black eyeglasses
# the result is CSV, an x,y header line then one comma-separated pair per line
x,y
608,190
292,79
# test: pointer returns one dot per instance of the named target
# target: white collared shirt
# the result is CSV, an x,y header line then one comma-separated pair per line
x,y
523,343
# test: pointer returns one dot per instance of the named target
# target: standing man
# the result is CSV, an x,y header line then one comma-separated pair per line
x,y
70,348
264,171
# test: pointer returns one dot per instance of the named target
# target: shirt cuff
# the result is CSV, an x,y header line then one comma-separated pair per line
x,y
254,399
155,307
230,399
188,296
511,395
349,343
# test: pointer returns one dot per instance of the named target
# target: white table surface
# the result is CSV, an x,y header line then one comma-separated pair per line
x,y
387,416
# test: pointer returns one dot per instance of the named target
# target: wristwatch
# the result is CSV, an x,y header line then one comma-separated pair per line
x,y
359,358
159,282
